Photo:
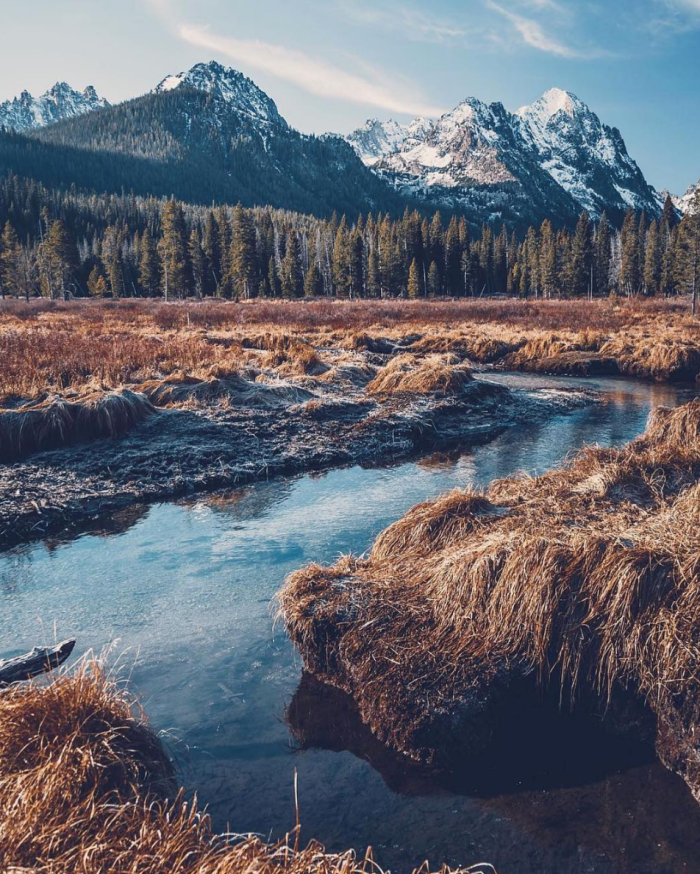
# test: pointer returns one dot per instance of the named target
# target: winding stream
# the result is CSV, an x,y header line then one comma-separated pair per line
x,y
186,588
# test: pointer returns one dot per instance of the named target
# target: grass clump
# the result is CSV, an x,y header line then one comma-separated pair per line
x,y
87,788
57,422
433,375
586,579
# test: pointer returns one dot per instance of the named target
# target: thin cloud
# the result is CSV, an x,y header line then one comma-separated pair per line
x,y
312,74
411,23
533,34
673,17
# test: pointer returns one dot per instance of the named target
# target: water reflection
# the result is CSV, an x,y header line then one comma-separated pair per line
x,y
187,588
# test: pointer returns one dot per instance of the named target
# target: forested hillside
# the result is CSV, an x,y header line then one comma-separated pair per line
x,y
183,143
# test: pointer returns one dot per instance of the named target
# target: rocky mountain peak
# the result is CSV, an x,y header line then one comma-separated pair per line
x,y
230,88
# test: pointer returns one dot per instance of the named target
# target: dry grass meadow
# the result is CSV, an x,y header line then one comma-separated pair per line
x,y
50,346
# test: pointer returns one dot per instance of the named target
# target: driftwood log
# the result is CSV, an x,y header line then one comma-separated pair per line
x,y
40,660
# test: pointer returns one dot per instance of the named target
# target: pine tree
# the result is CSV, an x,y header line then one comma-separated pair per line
x,y
486,260
548,260
148,268
197,262
669,215
60,258
629,263
437,248
173,250
273,279
581,278
357,263
10,262
313,281
373,281
434,283
243,255
669,278
532,250
292,275
97,287
653,260
602,256
225,287
342,277
414,283
211,244
453,259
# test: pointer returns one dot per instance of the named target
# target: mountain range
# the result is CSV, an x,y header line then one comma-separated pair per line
x,y
26,113
211,134
554,147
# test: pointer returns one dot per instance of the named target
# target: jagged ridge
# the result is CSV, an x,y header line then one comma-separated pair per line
x,y
25,113
479,145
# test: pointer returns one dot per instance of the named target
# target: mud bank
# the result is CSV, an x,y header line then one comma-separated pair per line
x,y
278,406
276,429
582,583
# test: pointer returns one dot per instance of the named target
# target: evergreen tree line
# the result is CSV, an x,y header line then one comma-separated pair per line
x,y
67,244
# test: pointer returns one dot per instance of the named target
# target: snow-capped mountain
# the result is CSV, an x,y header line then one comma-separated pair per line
x,y
231,90
376,139
687,203
586,157
26,113
479,145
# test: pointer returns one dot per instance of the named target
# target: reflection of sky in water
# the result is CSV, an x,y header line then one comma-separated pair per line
x,y
187,590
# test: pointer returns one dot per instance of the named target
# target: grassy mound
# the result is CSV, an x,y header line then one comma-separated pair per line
x,y
436,375
86,788
57,422
476,345
180,390
586,578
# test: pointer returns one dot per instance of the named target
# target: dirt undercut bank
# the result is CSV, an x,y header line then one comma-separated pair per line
x,y
583,583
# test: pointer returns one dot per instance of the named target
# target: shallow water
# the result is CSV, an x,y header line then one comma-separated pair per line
x,y
186,588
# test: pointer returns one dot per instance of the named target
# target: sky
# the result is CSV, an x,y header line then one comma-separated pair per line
x,y
331,64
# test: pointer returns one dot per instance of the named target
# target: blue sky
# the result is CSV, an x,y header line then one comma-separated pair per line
x,y
330,64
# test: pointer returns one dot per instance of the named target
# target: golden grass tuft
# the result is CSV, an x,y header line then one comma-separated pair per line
x,y
288,355
57,422
432,375
86,788
183,391
476,345
659,355
587,577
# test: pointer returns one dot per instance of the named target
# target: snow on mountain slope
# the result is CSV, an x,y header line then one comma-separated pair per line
x,y
26,112
461,148
558,136
376,139
230,89
688,202
586,157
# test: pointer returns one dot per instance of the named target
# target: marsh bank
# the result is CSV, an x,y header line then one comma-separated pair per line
x,y
187,588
